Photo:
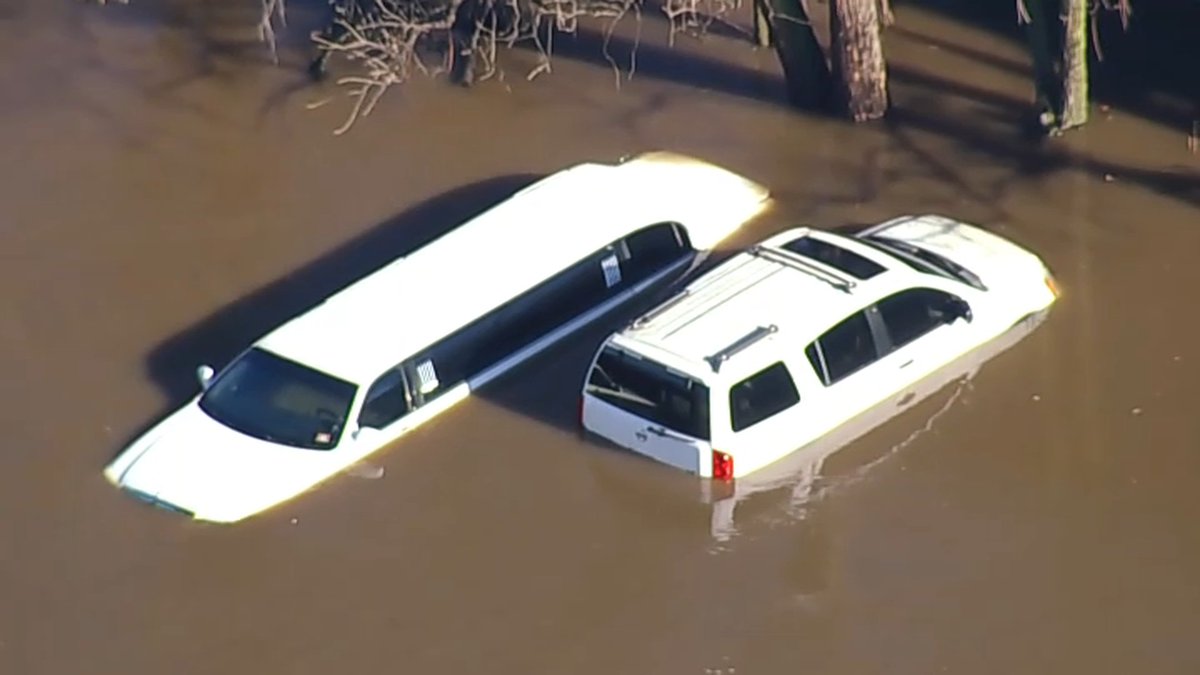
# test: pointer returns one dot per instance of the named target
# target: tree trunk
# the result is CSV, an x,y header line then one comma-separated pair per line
x,y
1041,33
803,60
762,23
858,64
1075,66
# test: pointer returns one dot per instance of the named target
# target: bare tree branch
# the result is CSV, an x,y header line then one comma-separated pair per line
x,y
1023,16
1123,9
886,16
271,9
393,40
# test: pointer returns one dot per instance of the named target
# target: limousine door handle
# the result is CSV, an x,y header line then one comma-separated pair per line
x,y
906,363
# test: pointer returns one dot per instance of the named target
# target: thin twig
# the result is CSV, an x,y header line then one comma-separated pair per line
x,y
391,40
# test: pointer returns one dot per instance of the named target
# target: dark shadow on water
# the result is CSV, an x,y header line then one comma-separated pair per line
x,y
1149,70
216,339
1031,160
546,388
669,64
283,95
995,144
218,40
943,45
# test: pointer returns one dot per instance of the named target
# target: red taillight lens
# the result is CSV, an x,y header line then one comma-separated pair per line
x,y
722,466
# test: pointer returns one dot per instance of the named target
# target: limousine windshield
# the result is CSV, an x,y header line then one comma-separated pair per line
x,y
278,400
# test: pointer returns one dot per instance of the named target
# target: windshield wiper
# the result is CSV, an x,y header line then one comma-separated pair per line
x,y
929,259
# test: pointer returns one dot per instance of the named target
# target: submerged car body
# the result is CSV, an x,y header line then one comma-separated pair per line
x,y
804,337
330,387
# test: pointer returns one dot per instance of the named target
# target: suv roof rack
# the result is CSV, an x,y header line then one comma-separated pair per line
x,y
794,261
661,309
738,345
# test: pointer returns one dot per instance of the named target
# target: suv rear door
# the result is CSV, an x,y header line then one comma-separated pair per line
x,y
649,408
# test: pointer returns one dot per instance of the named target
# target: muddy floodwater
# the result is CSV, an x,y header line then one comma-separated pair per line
x,y
167,194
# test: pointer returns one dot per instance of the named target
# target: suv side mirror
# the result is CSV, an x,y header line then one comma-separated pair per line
x,y
957,308
204,374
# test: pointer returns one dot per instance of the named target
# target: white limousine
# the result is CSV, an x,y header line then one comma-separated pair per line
x,y
797,339
401,345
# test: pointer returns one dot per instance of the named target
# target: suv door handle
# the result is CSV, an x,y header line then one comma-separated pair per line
x,y
663,433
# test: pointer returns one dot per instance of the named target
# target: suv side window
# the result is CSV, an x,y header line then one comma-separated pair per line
x,y
768,392
843,349
914,312
386,402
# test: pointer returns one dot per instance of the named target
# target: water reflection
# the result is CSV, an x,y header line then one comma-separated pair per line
x,y
832,463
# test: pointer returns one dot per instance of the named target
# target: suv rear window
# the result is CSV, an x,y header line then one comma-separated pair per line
x,y
651,391
768,392
835,256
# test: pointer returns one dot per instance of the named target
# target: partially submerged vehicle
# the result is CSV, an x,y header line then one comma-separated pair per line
x,y
808,337
323,391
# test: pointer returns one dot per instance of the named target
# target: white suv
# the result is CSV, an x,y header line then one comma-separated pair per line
x,y
786,342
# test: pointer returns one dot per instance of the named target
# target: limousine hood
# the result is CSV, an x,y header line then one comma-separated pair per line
x,y
192,464
712,201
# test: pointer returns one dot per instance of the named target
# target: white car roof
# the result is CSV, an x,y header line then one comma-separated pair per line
x,y
758,290
371,325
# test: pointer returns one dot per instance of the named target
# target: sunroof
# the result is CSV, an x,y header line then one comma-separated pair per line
x,y
835,256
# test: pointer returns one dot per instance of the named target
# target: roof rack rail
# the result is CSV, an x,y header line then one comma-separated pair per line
x,y
738,345
797,262
661,309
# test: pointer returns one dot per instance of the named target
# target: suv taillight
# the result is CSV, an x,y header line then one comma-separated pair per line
x,y
722,466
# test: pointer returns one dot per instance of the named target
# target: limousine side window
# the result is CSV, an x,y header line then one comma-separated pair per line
x,y
647,251
843,349
912,313
583,286
387,401
514,326
572,292
764,394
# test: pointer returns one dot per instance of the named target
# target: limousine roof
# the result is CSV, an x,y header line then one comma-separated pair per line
x,y
764,292
387,316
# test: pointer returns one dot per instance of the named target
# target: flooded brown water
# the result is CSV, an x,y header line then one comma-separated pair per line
x,y
165,196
